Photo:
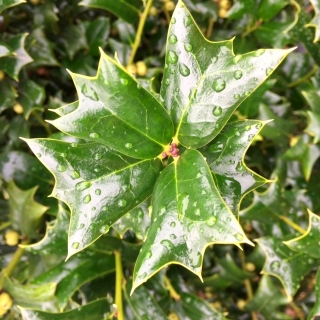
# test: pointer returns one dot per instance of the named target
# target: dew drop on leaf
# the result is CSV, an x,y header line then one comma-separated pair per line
x,y
188,47
247,128
268,71
81,226
232,161
148,254
239,167
197,261
93,209
89,93
167,82
83,185
314,219
173,236
184,70
122,202
211,221
97,192
218,85
123,81
275,265
173,39
217,111
75,245
87,198
74,145
187,21
167,244
238,236
173,20
258,125
74,175
128,145
104,229
237,96
237,74
94,135
39,155
172,57
61,168
97,156
259,52
172,224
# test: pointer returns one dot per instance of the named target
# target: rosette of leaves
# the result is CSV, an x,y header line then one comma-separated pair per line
x,y
176,147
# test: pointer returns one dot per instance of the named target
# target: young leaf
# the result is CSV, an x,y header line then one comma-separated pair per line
x,y
225,156
25,213
188,214
204,82
98,184
116,111
96,310
315,22
288,266
308,243
13,64
4,4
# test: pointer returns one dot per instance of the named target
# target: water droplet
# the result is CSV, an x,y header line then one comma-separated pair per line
x,y
239,167
238,236
75,245
173,20
237,58
167,82
237,74
187,21
269,71
258,125
167,244
94,135
172,71
122,203
237,96
89,93
128,145
259,52
228,219
184,70
173,236
39,155
217,111
255,79
237,133
211,221
197,212
218,85
74,145
123,81
104,229
61,168
93,209
275,265
172,224
232,161
63,155
87,198
97,156
197,260
247,128
81,226
74,175
173,39
172,57
148,254
97,192
188,47
83,185
214,59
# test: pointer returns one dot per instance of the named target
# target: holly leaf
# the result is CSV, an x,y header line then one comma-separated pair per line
x,y
5,50
111,107
315,311
288,266
315,22
99,189
5,4
225,156
308,243
124,9
204,82
186,205
13,64
55,239
96,310
7,94
25,213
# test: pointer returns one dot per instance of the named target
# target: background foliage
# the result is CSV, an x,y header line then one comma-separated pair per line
x,y
276,279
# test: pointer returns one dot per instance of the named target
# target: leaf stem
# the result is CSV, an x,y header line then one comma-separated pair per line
x,y
42,122
210,28
7,271
304,78
247,284
137,40
173,293
252,28
297,310
119,279
291,224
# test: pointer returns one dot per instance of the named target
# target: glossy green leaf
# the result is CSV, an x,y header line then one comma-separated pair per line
x,y
186,205
124,9
304,152
316,308
66,109
137,220
55,239
7,94
31,97
5,50
191,307
41,297
239,8
204,82
267,299
225,156
308,242
315,22
288,266
13,64
4,4
25,213
99,188
268,9
97,310
111,106
143,304
75,272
